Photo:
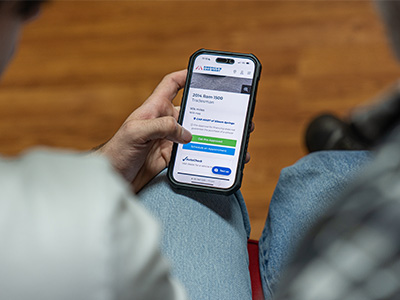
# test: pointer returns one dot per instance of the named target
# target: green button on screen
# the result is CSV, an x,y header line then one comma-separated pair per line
x,y
213,140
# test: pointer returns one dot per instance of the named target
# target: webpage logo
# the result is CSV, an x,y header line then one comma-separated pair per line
x,y
212,69
208,68
192,159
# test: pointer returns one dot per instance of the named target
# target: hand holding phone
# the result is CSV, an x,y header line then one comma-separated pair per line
x,y
217,108
141,147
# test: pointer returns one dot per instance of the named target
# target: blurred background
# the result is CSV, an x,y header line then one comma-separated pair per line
x,y
83,66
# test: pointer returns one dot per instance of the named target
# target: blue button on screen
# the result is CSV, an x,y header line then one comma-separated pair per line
x,y
221,170
209,148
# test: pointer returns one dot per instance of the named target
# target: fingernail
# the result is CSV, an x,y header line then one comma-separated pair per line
x,y
186,135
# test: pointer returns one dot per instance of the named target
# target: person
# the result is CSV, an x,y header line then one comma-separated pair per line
x,y
81,234
354,251
70,227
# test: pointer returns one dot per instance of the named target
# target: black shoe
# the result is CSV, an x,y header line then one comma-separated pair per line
x,y
327,132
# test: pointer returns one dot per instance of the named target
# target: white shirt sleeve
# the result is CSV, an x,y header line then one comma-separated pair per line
x,y
71,229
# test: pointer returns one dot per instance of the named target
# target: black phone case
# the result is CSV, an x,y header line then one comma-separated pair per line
x,y
246,131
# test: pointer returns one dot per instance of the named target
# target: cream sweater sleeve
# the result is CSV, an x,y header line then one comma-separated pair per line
x,y
70,229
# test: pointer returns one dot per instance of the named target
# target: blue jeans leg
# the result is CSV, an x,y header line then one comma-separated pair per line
x,y
303,194
204,237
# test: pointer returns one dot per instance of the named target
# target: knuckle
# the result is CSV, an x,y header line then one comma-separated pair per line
x,y
168,77
165,107
170,123
129,126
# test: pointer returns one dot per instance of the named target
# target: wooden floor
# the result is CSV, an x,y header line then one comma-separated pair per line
x,y
84,66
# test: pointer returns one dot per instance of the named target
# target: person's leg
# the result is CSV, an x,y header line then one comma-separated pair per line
x,y
204,237
304,192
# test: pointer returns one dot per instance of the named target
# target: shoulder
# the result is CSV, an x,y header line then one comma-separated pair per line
x,y
77,185
76,216
61,174
56,165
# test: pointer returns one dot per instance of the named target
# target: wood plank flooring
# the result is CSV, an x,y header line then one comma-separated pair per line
x,y
85,65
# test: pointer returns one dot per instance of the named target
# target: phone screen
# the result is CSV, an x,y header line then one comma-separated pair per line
x,y
215,113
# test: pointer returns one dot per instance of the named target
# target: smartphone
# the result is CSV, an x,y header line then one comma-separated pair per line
x,y
217,108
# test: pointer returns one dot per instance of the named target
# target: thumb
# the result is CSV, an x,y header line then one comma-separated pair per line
x,y
163,128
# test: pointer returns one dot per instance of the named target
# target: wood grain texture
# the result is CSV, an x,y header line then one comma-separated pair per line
x,y
85,65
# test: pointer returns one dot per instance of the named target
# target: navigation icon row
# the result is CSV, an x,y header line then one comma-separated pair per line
x,y
241,72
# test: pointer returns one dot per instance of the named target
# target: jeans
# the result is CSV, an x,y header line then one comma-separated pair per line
x,y
205,235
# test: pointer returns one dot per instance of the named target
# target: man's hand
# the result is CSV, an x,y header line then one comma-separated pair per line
x,y
141,148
